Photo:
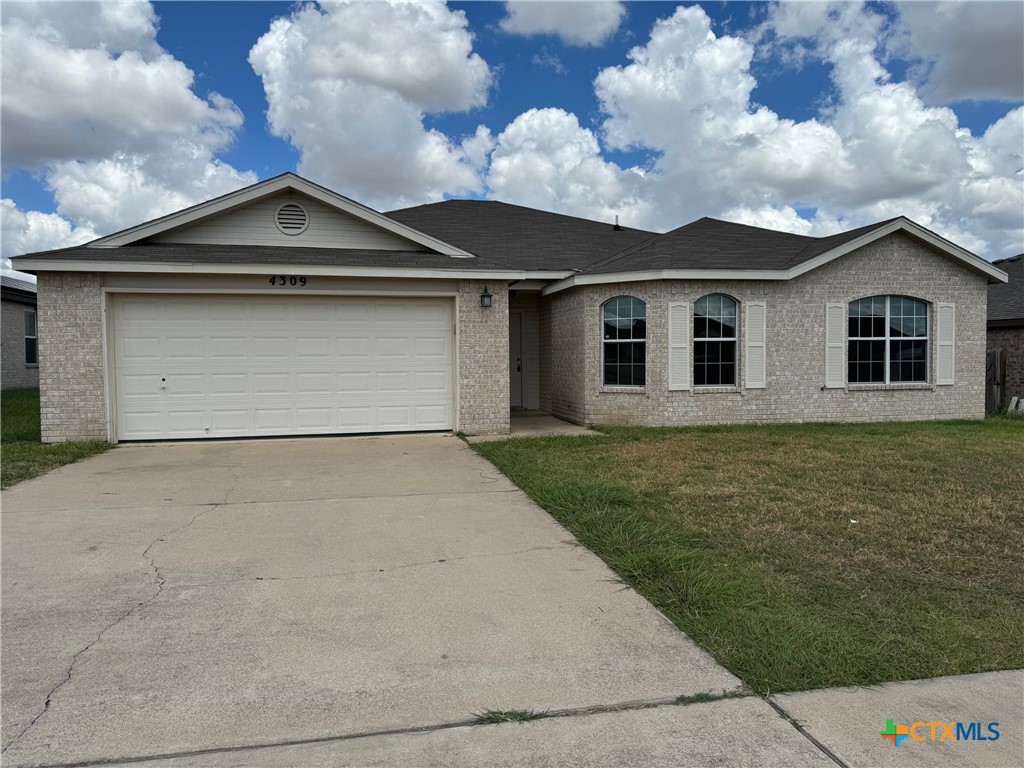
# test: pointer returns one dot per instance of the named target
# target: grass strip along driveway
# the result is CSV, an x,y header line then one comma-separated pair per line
x,y
805,556
22,455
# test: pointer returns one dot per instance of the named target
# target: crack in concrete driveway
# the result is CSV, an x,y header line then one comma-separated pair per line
x,y
304,609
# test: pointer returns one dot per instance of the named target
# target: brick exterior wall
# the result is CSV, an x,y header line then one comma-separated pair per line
x,y
14,371
70,320
1012,340
795,348
483,397
72,399
567,388
544,347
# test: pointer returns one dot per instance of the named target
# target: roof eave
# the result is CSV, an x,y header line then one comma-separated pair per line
x,y
463,272
903,224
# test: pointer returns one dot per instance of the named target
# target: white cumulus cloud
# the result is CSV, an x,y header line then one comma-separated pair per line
x,y
29,231
576,22
876,149
110,121
970,50
349,85
545,159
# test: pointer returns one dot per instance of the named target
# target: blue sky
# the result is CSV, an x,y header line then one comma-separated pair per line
x,y
808,117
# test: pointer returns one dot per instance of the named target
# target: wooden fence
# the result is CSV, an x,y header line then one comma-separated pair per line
x,y
995,379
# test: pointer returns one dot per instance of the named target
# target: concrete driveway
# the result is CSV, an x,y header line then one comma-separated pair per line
x,y
253,597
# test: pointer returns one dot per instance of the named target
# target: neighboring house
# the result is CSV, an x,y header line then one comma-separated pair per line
x,y
287,309
1006,329
18,353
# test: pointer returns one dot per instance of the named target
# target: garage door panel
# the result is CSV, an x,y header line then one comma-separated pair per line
x,y
228,348
189,385
425,348
185,423
228,384
314,347
191,312
313,383
184,347
231,366
229,310
355,348
271,347
431,381
354,383
231,421
141,348
271,383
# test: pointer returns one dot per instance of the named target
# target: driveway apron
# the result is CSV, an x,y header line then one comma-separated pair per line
x,y
174,598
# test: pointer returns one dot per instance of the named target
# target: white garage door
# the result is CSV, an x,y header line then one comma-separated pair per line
x,y
190,366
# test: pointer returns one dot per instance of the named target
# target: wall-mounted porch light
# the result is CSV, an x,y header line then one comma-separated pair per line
x,y
485,298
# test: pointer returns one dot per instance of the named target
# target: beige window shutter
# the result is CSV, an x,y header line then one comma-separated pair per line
x,y
945,336
755,343
835,341
678,345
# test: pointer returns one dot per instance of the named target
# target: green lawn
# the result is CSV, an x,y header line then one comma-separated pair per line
x,y
22,456
745,538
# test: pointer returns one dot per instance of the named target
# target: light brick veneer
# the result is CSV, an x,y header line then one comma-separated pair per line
x,y
795,348
483,397
70,319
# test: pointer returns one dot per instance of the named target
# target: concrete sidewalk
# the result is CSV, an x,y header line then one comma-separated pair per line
x,y
848,721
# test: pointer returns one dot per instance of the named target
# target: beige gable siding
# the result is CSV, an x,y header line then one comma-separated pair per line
x,y
254,225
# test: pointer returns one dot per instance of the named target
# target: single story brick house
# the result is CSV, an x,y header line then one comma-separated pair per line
x,y
19,362
287,309
1006,328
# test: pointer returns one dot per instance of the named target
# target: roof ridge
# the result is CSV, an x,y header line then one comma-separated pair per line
x,y
520,207
640,246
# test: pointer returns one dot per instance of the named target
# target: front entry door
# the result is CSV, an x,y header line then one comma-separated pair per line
x,y
515,359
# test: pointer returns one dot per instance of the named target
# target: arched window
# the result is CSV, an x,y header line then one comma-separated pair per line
x,y
624,345
714,341
887,340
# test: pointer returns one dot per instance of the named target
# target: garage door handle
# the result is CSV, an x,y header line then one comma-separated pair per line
x,y
163,383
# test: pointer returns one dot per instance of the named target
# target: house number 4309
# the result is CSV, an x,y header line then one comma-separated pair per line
x,y
284,280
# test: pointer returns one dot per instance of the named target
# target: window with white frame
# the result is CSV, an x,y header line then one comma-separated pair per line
x,y
624,342
887,341
714,341
31,342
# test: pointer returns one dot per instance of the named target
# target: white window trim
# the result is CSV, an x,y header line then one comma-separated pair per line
x,y
35,324
622,387
888,346
735,339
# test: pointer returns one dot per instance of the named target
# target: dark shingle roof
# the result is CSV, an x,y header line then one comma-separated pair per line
x,y
9,282
713,244
181,253
523,238
1006,300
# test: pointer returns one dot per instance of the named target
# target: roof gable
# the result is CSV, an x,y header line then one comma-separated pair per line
x,y
214,219
713,249
257,225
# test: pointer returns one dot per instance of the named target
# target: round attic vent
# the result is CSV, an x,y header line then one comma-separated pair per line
x,y
292,219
